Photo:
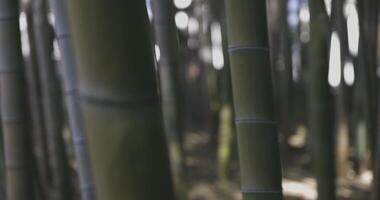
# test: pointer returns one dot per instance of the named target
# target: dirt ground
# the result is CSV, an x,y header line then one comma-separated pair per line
x,y
298,184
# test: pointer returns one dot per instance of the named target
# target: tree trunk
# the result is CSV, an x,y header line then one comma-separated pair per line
x,y
253,99
86,183
320,101
19,183
118,93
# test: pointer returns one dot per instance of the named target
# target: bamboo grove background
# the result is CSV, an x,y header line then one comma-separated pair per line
x,y
189,99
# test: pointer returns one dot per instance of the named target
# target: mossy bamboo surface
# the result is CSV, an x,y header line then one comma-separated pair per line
x,y
118,93
70,84
253,99
19,183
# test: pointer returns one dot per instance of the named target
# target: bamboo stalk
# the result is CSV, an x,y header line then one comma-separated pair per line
x,y
167,39
282,65
320,101
373,17
118,94
35,105
19,184
253,99
60,187
70,85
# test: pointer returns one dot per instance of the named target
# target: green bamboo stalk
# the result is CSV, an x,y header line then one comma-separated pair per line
x,y
320,101
167,39
86,182
60,187
118,93
253,99
19,183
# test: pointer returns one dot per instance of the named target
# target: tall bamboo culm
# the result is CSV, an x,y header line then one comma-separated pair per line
x,y
119,99
60,186
70,84
35,104
19,183
253,99
320,101
169,70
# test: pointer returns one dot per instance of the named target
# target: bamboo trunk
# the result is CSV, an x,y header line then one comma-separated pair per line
x,y
368,16
167,40
341,92
253,99
86,182
60,187
376,183
226,127
35,105
320,102
19,183
376,171
281,60
118,93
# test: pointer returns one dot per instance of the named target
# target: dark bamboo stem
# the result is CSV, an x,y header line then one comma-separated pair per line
x,y
35,104
167,40
368,16
19,183
281,61
253,99
52,105
86,182
320,101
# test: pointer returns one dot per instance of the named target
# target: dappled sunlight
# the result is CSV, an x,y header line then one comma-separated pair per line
x,y
305,189
335,67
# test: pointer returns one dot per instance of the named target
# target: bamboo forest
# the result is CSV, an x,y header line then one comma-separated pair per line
x,y
190,100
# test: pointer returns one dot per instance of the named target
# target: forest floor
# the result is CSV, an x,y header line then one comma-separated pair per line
x,y
298,184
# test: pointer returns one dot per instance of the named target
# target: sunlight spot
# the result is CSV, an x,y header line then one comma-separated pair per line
x,y
304,14
328,7
149,9
352,27
182,4
56,50
25,48
157,52
181,20
302,189
349,73
193,26
334,76
217,48
366,177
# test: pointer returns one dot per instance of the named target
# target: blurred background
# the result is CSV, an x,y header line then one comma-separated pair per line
x,y
209,155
